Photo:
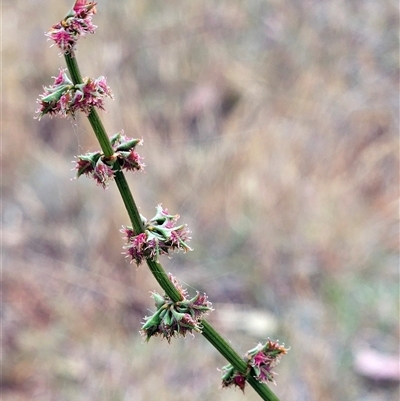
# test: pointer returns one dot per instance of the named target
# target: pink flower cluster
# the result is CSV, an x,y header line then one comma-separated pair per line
x,y
161,236
65,99
260,362
174,319
77,23
101,169
263,358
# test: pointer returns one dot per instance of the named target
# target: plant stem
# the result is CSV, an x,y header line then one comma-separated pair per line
x,y
157,270
129,202
161,276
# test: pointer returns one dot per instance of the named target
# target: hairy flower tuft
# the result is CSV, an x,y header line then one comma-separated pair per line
x,y
263,358
161,237
102,169
78,22
175,319
65,99
103,173
260,361
125,152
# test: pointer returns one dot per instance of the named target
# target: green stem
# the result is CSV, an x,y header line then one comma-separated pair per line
x,y
100,133
223,347
166,284
263,390
73,69
157,270
129,202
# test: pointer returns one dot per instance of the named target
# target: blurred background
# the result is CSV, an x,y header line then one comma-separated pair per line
x,y
271,127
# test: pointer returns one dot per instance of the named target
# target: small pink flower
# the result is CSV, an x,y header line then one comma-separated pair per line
x,y
260,362
240,381
128,231
231,377
103,173
179,236
84,166
77,23
132,161
61,79
136,250
259,359
199,304
263,358
178,286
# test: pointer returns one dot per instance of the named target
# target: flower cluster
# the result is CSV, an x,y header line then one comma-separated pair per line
x,y
260,361
63,98
101,169
160,237
174,319
77,23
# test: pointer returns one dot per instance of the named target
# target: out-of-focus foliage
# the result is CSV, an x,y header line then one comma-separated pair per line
x,y
271,128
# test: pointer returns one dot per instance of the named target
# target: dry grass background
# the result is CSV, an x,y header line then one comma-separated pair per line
x,y
271,128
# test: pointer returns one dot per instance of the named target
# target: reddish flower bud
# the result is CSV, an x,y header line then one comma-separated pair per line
x,y
231,377
103,173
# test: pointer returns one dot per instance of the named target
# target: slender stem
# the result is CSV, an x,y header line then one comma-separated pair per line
x,y
100,132
157,270
73,69
223,346
129,202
